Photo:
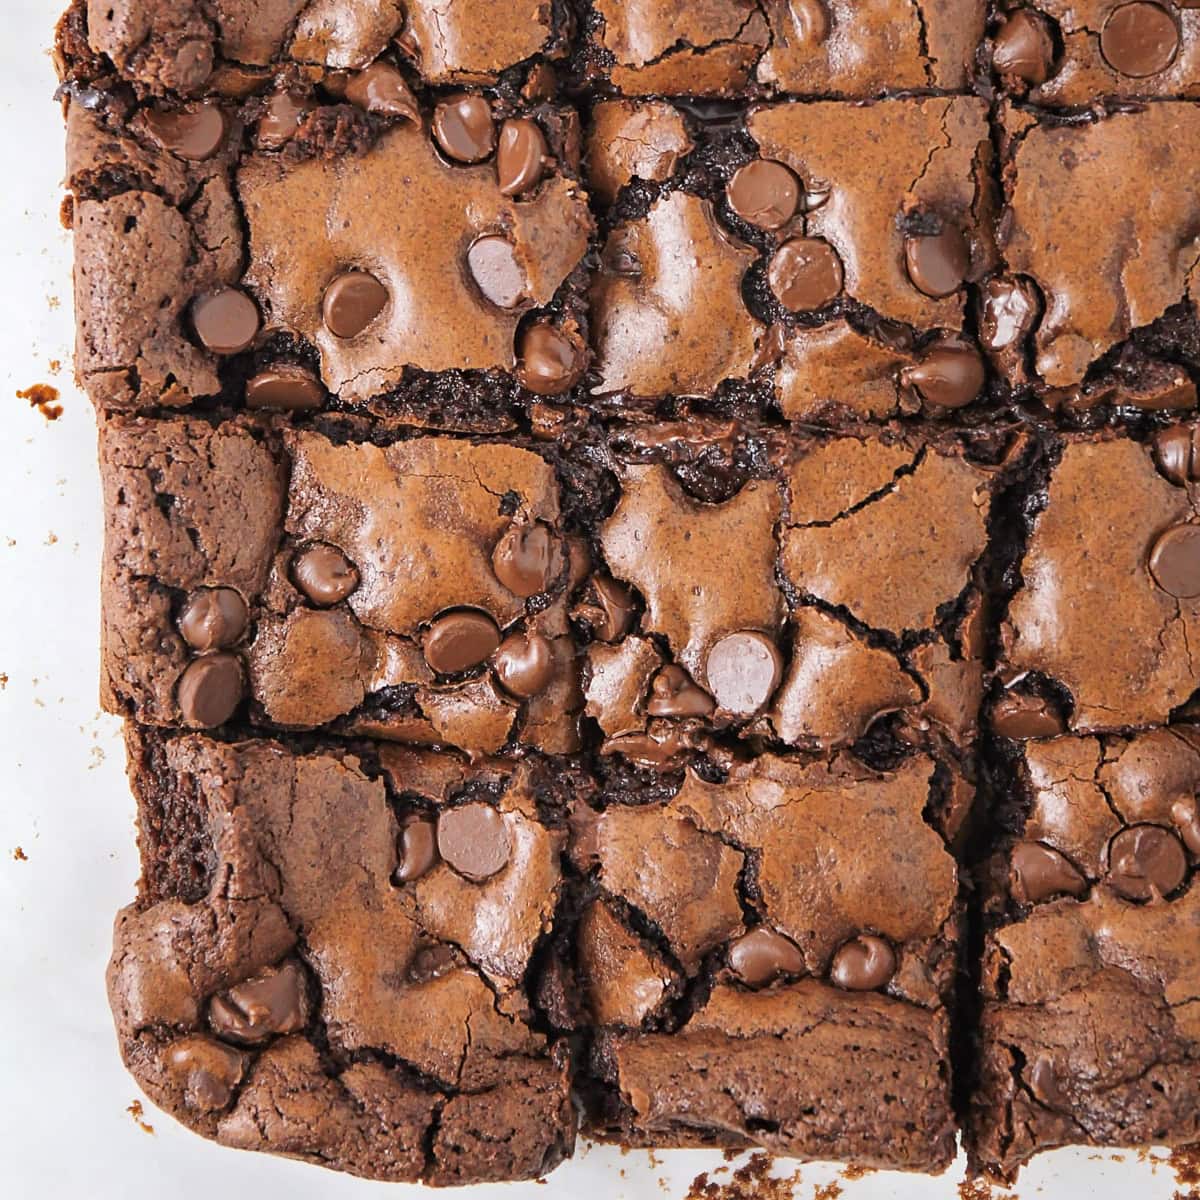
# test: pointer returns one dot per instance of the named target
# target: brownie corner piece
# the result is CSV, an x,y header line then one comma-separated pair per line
x,y
1089,1031
316,978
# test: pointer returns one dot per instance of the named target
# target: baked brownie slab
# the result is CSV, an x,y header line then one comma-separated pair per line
x,y
768,958
1090,1028
328,956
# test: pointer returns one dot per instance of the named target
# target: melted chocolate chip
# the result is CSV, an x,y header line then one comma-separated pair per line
x,y
273,1002
1185,816
1008,309
805,274
463,128
1038,872
809,24
1175,453
938,263
351,302
431,962
765,193
381,89
743,671
1139,39
210,689
417,849
286,388
674,694
193,65
1175,561
1023,47
209,1069
226,321
474,840
528,558
284,113
324,574
549,360
950,374
1146,862
524,664
194,133
1020,716
459,640
863,964
213,618
762,955
492,261
520,155
609,609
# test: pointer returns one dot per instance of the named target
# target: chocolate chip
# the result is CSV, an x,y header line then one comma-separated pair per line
x,y
473,839
863,964
1175,561
765,193
528,558
1007,311
193,66
761,955
210,1070
810,24
1020,716
351,302
213,618
609,609
1043,1082
938,263
431,962
463,128
460,640
1037,872
948,375
1175,453
805,274
1185,816
524,664
674,694
743,671
1023,47
381,89
492,260
226,321
282,117
273,1002
1146,862
1139,39
324,574
210,689
194,133
549,360
417,849
520,155
286,388
816,195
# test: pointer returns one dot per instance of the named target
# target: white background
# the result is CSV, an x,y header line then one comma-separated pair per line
x,y
64,1128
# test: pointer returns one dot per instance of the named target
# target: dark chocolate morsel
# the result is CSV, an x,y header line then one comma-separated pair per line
x,y
226,321
351,302
431,962
193,133
863,964
937,263
674,694
1023,47
1175,561
1020,715
213,618
520,155
1007,311
805,274
281,119
762,954
463,128
381,89
743,671
474,840
459,640
1175,453
528,558
549,360
949,374
272,1002
1146,862
608,610
417,849
208,1069
765,193
492,261
1037,872
324,574
1185,816
286,388
210,689
524,664
1139,39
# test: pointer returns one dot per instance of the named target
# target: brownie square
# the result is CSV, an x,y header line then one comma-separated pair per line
x,y
337,583
768,958
1072,53
1089,1031
855,48
328,956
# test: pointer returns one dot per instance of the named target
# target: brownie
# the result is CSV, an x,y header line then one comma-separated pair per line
x,y
726,1012
1089,1031
336,970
